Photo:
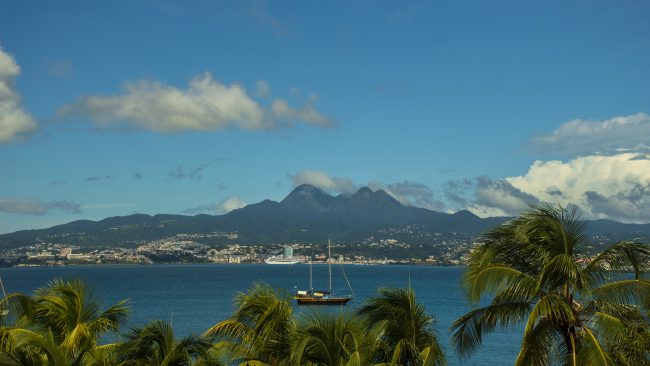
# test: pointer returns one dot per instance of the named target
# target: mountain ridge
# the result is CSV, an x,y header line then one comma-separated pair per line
x,y
306,214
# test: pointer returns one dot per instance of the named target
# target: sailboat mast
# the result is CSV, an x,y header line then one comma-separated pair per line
x,y
329,262
4,295
311,287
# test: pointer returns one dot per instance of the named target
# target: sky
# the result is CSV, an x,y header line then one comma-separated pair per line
x,y
121,107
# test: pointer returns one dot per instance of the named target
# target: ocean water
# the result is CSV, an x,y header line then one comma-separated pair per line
x,y
195,297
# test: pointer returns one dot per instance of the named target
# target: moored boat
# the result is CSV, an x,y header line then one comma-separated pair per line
x,y
286,258
314,297
319,298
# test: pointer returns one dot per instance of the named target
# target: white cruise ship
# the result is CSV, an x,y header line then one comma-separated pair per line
x,y
286,258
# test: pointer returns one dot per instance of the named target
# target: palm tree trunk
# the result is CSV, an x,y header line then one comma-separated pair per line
x,y
569,340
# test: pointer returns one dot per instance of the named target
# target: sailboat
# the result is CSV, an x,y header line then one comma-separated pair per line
x,y
313,297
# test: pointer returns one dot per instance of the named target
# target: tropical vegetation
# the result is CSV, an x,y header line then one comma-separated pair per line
x,y
404,328
576,311
62,324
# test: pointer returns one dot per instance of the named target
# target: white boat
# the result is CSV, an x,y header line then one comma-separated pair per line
x,y
281,260
286,258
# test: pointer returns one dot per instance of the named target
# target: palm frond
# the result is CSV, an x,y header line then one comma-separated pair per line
x,y
562,270
261,327
635,292
608,325
111,319
330,339
538,344
405,324
493,278
550,307
591,352
507,283
27,338
622,256
229,329
468,330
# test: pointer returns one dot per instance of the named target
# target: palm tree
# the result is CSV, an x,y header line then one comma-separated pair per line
x,y
155,345
60,323
572,306
632,347
405,328
333,340
261,328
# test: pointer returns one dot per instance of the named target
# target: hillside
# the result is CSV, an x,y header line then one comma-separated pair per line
x,y
307,214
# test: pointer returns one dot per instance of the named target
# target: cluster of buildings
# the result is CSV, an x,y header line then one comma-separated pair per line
x,y
437,249
62,254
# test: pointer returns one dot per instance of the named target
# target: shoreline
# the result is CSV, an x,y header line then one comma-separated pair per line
x,y
224,264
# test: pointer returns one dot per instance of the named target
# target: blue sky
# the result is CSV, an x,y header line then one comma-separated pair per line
x,y
112,108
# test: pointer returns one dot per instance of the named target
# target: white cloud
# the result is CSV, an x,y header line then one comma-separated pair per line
x,y
15,122
231,203
614,187
224,206
281,110
588,137
323,181
206,105
27,206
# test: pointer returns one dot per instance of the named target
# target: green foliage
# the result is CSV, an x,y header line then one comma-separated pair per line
x,y
577,311
60,325
261,328
155,345
404,328
331,339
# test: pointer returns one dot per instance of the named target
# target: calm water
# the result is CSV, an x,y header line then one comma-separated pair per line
x,y
194,297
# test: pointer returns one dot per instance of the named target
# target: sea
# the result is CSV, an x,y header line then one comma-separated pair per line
x,y
194,297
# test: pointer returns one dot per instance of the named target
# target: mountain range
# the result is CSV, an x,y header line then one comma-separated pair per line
x,y
307,214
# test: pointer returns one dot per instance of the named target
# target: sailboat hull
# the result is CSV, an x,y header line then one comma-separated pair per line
x,y
322,301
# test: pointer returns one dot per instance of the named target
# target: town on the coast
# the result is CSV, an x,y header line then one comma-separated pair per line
x,y
444,250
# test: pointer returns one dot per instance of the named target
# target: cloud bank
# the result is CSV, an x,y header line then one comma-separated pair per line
x,y
588,137
323,181
613,187
607,176
206,105
26,206
15,122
